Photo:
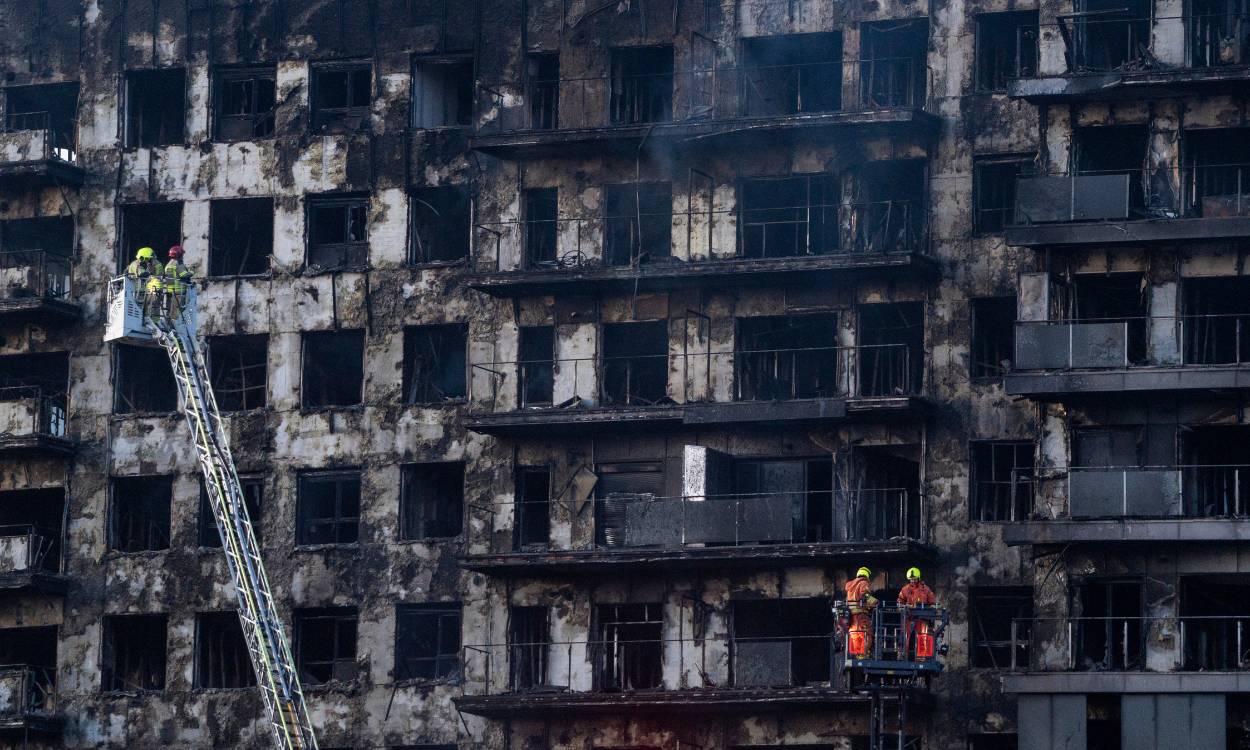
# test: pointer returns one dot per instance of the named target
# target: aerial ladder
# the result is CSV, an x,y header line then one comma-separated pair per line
x,y
168,319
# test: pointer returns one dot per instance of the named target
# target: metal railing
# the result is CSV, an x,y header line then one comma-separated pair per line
x,y
1107,41
699,235
28,547
868,371
57,144
630,663
1114,343
35,273
28,410
1206,643
1192,490
27,690
700,94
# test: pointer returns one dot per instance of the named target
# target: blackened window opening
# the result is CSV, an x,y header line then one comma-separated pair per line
x,y
1218,33
1214,612
1124,447
427,641
341,95
803,488
888,209
134,652
642,85
245,104
155,107
1006,48
41,253
144,381
154,225
333,368
238,370
325,644
240,236
528,640
789,216
892,69
1118,300
41,381
537,365
1216,474
542,70
442,92
139,513
890,353
638,223
541,224
792,74
787,357
635,363
994,192
431,500
1002,480
533,509
440,224
628,647
49,107
1109,632
253,498
993,336
338,231
328,507
782,642
37,515
880,498
435,364
221,656
1216,173
619,485
999,626
33,649
1112,150
1215,326
1107,35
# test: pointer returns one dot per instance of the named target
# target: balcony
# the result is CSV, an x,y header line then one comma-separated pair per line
x,y
1108,56
32,422
37,285
775,387
34,152
29,560
28,700
701,107
1056,359
636,531
1192,203
804,243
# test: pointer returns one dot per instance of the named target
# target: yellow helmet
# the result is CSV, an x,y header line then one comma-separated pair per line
x,y
913,574
145,253
863,573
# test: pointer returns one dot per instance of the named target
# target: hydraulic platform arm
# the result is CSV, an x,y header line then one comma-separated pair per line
x,y
171,323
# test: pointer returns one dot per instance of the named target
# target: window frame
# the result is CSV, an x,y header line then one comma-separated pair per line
x,y
979,164
305,337
417,246
979,50
132,141
446,63
113,519
446,665
974,339
346,202
414,337
338,616
197,676
206,524
975,502
410,503
320,118
226,75
339,521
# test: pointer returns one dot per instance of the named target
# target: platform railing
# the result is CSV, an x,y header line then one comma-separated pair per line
x,y
1185,643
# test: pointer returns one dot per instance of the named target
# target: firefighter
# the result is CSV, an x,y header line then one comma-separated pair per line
x,y
146,269
177,277
861,602
917,594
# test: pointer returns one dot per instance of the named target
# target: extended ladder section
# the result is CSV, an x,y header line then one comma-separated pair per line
x,y
137,317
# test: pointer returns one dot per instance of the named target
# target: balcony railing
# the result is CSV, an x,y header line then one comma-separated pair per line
x,y
1116,343
699,236
700,95
30,411
27,692
1106,41
38,274
869,371
1181,491
27,547
1213,643
46,141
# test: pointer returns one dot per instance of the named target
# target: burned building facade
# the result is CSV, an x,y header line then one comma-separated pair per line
x,y
575,353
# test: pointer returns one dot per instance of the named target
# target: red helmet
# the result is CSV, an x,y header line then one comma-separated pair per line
x,y
175,251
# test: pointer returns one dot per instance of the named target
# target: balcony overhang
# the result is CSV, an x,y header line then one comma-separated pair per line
x,y
1127,530
1128,232
33,582
41,173
1144,84
573,420
664,276
709,700
576,142
1127,682
34,723
595,562
33,444
1054,385
41,309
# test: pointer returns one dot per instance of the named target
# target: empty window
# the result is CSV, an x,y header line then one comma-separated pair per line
x,y
891,349
427,641
41,383
1002,480
221,657
253,495
788,216
434,364
542,83
786,357
1110,633
1216,176
139,513
994,192
638,224
154,225
334,363
1111,150
1104,298
529,637
892,69
155,107
635,363
1006,48
341,95
537,365
642,85
325,644
338,231
630,638
792,74
533,508
993,336
40,253
440,224
540,213
781,642
328,507
134,651
442,92
50,107
1106,34
144,383
888,212
999,623
33,649
431,500
1216,319
40,514
240,236
245,104
238,368
1218,33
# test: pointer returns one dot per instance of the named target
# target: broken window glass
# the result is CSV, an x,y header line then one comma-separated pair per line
x,y
341,95
325,644
1002,480
782,642
1116,300
338,230
1006,48
435,364
635,363
139,517
134,652
155,107
543,87
792,74
787,357
238,370
992,611
440,224
221,655
245,104
879,498
533,510
537,365
638,223
328,507
253,496
528,640
628,648
431,500
442,92
240,236
642,85
891,349
994,192
154,225
541,217
993,336
334,364
427,641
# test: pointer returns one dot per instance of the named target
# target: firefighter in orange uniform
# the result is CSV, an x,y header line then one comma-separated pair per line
x,y
861,602
917,594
